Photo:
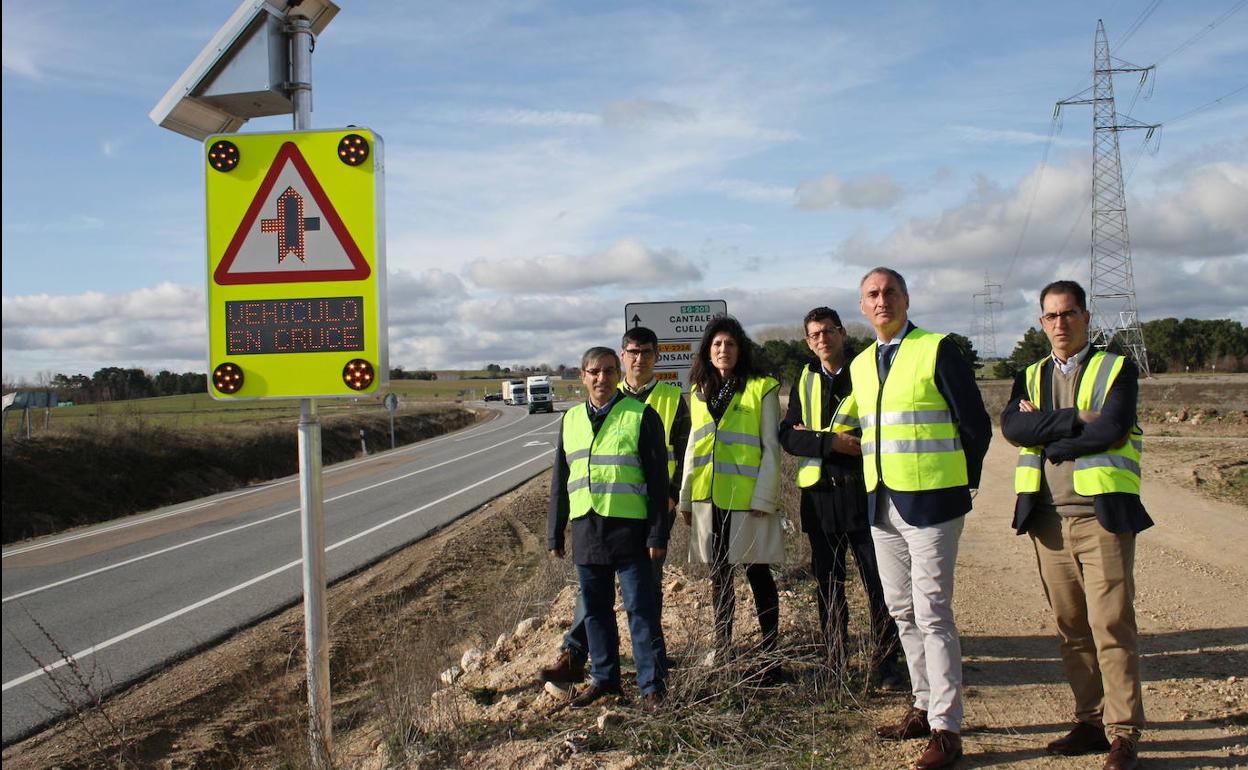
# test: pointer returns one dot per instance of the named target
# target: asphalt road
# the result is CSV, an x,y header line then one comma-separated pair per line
x,y
93,610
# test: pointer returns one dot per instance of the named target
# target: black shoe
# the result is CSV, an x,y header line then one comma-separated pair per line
x,y
586,695
891,676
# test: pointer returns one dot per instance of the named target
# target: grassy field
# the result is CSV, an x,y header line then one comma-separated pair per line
x,y
198,409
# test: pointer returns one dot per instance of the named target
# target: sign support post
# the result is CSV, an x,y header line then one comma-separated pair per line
x,y
311,492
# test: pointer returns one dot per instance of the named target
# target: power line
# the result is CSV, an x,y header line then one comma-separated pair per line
x,y
1044,162
1205,106
1205,30
1139,22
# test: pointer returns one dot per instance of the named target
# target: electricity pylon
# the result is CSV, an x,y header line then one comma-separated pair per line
x,y
1115,317
985,318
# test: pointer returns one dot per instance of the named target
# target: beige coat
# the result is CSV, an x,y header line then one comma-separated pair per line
x,y
754,539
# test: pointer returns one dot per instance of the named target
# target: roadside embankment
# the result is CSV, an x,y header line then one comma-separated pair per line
x,y
55,481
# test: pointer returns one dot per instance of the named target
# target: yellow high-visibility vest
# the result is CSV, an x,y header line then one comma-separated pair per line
x,y
664,398
727,455
810,395
908,434
1114,470
604,470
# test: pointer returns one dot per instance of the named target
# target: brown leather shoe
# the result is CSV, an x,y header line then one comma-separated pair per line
x,y
912,725
566,668
586,694
1084,739
652,701
1122,755
943,750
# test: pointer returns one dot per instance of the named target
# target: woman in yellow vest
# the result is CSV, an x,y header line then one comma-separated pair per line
x,y
730,490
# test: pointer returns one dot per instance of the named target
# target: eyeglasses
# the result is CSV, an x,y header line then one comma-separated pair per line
x,y
606,371
640,352
822,333
1065,315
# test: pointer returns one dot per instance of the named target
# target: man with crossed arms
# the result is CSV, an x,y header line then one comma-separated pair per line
x,y
1073,413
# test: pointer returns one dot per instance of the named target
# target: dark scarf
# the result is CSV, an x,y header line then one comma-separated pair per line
x,y
718,401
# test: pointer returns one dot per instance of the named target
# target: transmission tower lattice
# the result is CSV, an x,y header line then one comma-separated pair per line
x,y
986,305
1115,316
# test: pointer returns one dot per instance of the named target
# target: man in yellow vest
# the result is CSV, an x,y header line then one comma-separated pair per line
x,y
1078,481
924,436
640,350
834,502
610,479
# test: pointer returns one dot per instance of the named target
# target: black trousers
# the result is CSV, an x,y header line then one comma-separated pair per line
x,y
828,552
724,596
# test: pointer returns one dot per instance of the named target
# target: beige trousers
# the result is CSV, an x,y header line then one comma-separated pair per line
x,y
1088,577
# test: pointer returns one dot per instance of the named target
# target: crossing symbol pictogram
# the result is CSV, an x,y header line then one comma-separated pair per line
x,y
291,205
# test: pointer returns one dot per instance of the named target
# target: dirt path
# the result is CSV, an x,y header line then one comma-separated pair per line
x,y
1193,616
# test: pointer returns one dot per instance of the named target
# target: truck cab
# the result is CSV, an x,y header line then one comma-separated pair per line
x,y
541,395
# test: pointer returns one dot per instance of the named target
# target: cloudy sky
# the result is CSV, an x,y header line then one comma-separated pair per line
x,y
547,162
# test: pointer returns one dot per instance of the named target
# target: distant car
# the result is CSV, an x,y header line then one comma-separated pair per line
x,y
493,396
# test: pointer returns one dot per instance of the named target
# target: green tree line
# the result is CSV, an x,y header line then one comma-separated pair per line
x,y
112,383
1192,344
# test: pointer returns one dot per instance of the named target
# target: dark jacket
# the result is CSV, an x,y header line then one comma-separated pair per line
x,y
956,382
613,540
838,501
1065,438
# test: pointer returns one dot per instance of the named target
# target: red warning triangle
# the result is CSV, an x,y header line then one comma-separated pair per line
x,y
300,238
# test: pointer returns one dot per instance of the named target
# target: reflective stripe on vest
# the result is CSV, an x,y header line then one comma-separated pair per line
x,y
726,456
604,470
810,394
908,431
1114,470
664,398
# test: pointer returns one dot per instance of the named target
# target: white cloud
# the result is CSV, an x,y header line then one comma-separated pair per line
x,y
627,263
753,192
874,191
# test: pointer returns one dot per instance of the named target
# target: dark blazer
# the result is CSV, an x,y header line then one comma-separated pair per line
x,y
1065,438
956,382
838,501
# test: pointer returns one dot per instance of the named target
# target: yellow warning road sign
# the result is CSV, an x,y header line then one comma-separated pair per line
x,y
296,264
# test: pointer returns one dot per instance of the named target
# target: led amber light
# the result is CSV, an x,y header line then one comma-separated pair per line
x,y
223,156
228,378
353,149
358,374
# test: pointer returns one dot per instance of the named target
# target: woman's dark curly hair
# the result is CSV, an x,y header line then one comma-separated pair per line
x,y
703,373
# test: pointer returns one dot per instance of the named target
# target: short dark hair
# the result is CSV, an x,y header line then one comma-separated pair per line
x,y
821,313
597,352
887,271
703,374
640,335
1066,287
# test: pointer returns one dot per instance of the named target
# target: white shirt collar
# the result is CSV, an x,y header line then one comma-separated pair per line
x,y
1074,361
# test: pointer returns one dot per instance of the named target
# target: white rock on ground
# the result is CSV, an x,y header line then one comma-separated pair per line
x,y
527,626
471,661
451,674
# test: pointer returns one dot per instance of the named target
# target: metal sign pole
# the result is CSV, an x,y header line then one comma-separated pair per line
x,y
311,496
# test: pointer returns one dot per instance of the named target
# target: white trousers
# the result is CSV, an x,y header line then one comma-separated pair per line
x,y
916,569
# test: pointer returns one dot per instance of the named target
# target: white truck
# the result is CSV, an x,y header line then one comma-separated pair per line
x,y
513,392
541,395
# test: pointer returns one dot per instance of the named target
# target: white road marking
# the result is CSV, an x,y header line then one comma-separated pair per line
x,y
224,532
134,522
77,656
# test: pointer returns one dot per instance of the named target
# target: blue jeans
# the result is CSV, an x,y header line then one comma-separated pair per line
x,y
575,640
637,589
